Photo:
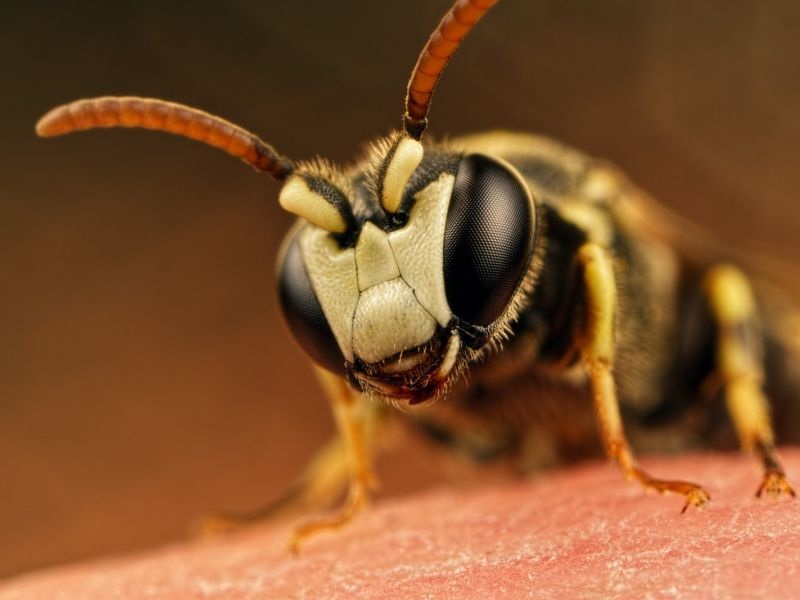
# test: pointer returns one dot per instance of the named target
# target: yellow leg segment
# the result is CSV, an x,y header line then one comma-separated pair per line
x,y
740,371
320,485
354,419
597,348
344,463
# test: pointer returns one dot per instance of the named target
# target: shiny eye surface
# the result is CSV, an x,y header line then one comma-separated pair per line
x,y
489,239
303,313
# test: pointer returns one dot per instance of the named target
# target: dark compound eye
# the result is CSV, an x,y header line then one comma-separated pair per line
x,y
489,239
303,313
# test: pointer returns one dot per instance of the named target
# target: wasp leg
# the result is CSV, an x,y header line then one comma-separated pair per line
x,y
740,371
355,417
597,348
321,483
345,462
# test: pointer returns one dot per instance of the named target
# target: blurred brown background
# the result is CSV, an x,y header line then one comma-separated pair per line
x,y
144,374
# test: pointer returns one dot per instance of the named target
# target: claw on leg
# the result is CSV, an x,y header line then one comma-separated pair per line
x,y
696,496
774,485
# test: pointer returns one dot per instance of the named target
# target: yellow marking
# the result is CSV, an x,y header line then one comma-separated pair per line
x,y
589,218
297,198
600,185
405,160
602,302
332,271
733,308
730,295
389,319
374,258
450,355
749,410
418,247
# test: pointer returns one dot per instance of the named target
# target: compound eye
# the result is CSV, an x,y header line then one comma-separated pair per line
x,y
303,313
489,239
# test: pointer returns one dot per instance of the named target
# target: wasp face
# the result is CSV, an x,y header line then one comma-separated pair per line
x,y
397,283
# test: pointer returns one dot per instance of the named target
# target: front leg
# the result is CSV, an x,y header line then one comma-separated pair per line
x,y
355,418
596,344
344,463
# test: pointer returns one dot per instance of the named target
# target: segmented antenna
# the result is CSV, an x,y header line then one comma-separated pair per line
x,y
433,59
160,115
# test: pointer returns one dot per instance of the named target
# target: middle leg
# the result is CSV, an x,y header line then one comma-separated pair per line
x,y
597,350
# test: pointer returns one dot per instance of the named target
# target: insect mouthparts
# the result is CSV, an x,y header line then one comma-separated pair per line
x,y
414,375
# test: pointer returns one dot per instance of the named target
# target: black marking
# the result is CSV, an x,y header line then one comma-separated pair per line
x,y
693,358
555,308
472,336
365,204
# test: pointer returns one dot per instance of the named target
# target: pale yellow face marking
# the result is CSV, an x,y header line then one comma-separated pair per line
x,y
386,295
419,247
406,158
388,320
297,198
332,271
374,258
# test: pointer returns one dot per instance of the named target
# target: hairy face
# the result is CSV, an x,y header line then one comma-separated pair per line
x,y
398,301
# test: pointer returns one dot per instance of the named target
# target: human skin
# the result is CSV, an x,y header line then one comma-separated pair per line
x,y
577,533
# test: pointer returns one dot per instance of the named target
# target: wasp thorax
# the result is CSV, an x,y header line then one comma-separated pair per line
x,y
399,307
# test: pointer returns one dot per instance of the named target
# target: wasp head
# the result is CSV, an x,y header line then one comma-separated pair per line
x,y
397,276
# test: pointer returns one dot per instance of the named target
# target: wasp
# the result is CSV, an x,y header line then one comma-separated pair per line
x,y
569,297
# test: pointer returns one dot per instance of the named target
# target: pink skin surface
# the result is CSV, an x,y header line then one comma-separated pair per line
x,y
578,533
